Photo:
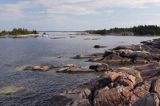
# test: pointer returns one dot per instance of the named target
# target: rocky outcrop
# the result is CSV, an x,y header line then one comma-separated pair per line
x,y
122,87
138,84
144,53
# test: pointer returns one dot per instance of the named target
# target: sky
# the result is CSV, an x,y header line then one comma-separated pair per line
x,y
77,15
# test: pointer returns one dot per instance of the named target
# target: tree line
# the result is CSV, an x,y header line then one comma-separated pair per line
x,y
18,31
136,30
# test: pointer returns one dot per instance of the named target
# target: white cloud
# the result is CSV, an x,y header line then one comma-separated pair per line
x,y
55,11
12,11
84,7
74,7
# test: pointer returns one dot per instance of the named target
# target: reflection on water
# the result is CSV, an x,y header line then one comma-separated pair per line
x,y
35,88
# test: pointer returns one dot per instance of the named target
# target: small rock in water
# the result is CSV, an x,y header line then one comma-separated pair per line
x,y
42,68
82,56
10,90
99,46
20,68
95,38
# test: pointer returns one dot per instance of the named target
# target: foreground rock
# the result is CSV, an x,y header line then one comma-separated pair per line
x,y
122,87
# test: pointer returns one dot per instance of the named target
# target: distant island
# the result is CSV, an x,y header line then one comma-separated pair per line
x,y
136,30
19,32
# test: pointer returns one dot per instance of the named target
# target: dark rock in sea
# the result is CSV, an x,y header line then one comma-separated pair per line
x,y
44,33
57,37
99,46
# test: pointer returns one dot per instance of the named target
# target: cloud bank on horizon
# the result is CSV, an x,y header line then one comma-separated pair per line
x,y
77,14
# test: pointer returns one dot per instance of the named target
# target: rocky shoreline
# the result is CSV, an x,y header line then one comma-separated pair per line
x,y
134,82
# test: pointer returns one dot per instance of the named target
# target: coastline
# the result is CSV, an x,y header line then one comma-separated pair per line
x,y
135,76
65,73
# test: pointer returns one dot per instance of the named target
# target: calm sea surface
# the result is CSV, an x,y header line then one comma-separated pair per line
x,y
27,88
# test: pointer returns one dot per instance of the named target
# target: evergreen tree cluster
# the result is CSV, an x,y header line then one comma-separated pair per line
x,y
139,30
18,31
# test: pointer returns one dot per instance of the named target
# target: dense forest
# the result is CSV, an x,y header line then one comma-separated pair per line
x,y
18,31
139,30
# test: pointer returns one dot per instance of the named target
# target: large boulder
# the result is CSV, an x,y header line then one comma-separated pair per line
x,y
111,97
131,71
122,78
139,91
